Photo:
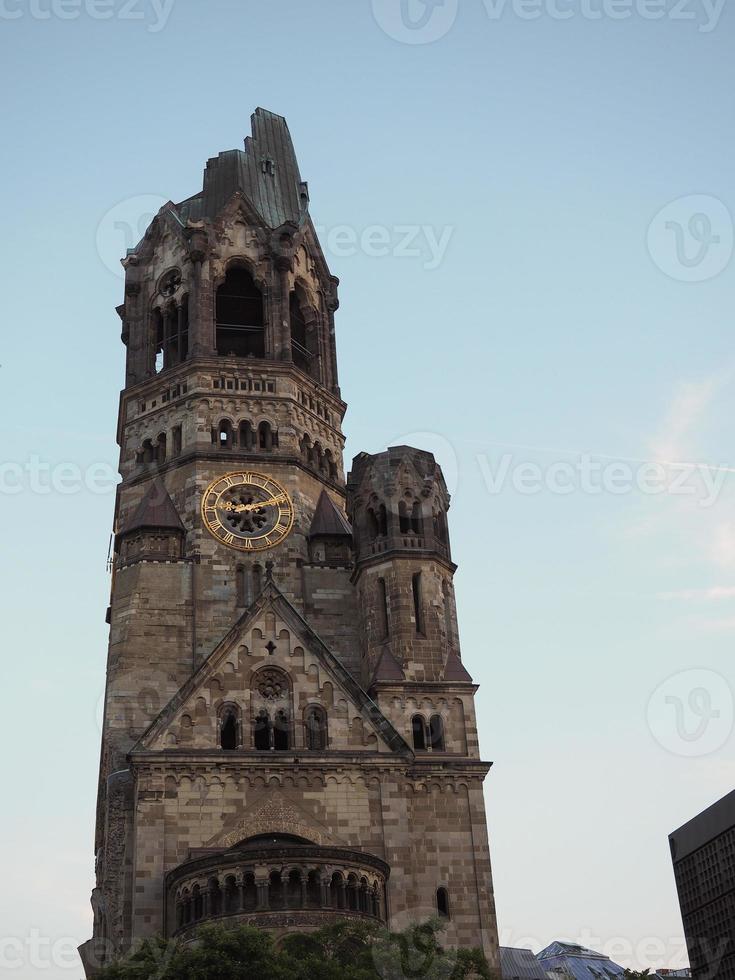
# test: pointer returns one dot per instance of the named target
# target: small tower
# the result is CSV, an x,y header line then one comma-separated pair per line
x,y
398,504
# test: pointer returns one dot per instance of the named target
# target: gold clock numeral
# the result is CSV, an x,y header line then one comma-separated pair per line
x,y
228,538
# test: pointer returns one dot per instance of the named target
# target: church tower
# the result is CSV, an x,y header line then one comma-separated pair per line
x,y
289,733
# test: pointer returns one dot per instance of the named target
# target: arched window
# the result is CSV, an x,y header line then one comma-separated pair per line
x,y
352,895
250,893
330,464
240,316
382,520
293,889
418,730
337,891
383,618
267,438
373,527
275,890
416,517
246,436
436,733
257,580
305,446
281,731
315,722
262,732
215,897
299,341
231,894
229,729
149,453
240,589
313,890
197,902
161,448
418,612
404,522
442,902
224,434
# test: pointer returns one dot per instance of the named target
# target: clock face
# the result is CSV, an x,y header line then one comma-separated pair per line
x,y
247,511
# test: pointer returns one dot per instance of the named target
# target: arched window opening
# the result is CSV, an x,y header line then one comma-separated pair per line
x,y
267,437
293,889
352,896
257,580
161,448
305,447
436,733
197,902
240,590
224,434
239,314
275,890
300,352
330,464
363,902
246,436
157,330
229,734
281,740
383,619
149,453
185,907
316,728
372,524
337,891
416,517
231,894
317,456
448,624
404,522
418,611
176,440
215,897
442,902
313,890
418,730
249,893
262,733
382,520
440,527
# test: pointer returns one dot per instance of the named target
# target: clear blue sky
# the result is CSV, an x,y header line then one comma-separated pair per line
x,y
553,321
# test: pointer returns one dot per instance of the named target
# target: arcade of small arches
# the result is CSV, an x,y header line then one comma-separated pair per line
x,y
271,728
274,873
408,520
155,452
318,459
245,436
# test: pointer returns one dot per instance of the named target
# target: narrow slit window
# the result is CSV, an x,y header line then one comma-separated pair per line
x,y
417,603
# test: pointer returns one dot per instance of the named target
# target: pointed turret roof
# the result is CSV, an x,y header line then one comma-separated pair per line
x,y
328,519
455,669
156,510
388,668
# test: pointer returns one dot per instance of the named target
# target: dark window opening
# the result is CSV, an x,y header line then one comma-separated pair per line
x,y
436,733
313,890
246,436
382,520
316,729
404,522
418,730
281,732
176,440
240,326
337,891
262,734
249,893
383,620
228,732
442,902
267,438
416,517
275,891
161,448
300,352
224,434
215,897
417,604
231,894
240,587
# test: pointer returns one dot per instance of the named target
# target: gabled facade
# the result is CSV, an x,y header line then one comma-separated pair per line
x,y
289,733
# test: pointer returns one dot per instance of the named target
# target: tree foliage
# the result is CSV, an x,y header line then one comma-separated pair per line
x,y
344,951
